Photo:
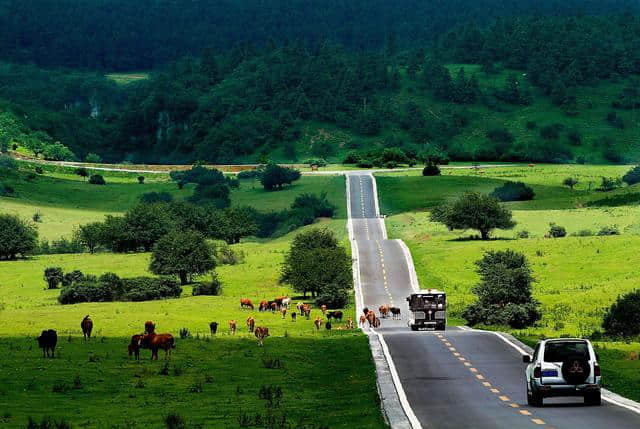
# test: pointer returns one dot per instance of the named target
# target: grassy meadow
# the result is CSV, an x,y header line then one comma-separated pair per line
x,y
577,278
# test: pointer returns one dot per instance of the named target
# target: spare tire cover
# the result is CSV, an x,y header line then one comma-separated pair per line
x,y
575,369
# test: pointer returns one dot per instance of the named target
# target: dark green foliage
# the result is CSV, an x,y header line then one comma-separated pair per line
x,y
333,296
557,231
431,170
214,287
72,277
504,291
97,179
182,253
622,319
174,421
614,120
275,176
570,182
145,224
474,210
632,176
48,423
249,174
109,287
156,197
609,230
93,158
317,264
211,185
6,162
141,180
500,135
513,191
352,157
232,224
320,162
53,276
82,172
608,184
91,235
57,152
17,237
318,205
574,137
551,132
61,246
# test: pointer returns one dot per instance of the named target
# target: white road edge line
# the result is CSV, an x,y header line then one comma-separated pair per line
x,y
383,227
607,395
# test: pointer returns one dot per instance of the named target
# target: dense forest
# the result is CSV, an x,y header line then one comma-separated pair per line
x,y
226,97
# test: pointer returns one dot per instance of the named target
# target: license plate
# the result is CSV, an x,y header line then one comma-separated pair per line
x,y
550,373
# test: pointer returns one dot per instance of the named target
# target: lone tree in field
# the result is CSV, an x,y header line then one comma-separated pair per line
x,y
570,182
17,237
182,253
474,210
82,172
504,291
53,276
317,264
276,176
91,235
622,319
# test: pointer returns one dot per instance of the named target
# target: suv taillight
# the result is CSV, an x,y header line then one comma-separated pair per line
x,y
596,370
537,372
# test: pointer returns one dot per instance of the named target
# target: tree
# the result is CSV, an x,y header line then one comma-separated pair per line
x,y
570,182
91,235
474,210
632,176
9,130
93,158
504,291
513,191
57,152
141,180
147,223
622,319
232,224
182,253
431,169
53,276
97,179
82,172
275,176
17,237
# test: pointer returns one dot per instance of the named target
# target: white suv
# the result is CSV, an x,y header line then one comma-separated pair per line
x,y
563,367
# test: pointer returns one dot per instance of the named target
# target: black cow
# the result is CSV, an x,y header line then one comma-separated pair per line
x,y
47,341
328,326
213,326
335,315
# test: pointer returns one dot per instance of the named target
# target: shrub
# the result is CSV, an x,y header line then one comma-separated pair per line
x,y
39,170
513,191
390,165
622,319
6,190
74,276
609,230
109,287
60,246
531,125
583,233
320,162
174,421
213,288
17,237
8,163
557,231
608,184
37,217
614,120
57,152
352,157
53,276
141,180
632,176
574,137
431,170
365,163
93,158
225,255
333,296
523,234
184,333
275,176
319,205
97,179
249,174
570,182
150,288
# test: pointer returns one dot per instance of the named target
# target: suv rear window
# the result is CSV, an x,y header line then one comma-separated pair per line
x,y
559,351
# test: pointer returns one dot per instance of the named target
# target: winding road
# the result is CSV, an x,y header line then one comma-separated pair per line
x,y
460,378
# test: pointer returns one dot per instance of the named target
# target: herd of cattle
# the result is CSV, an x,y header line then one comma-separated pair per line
x,y
153,341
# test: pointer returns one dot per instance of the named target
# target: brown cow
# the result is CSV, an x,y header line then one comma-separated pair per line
x,y
318,322
323,308
274,306
307,310
251,322
261,333
395,313
246,303
279,301
47,341
155,341
149,327
376,322
349,323
384,311
371,317
263,305
87,327
363,319
283,311
232,327
134,346
334,315
300,308
294,316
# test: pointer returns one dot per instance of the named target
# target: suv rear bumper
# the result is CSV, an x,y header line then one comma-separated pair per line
x,y
427,325
552,390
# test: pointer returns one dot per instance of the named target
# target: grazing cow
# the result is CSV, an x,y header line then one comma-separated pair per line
x,y
246,303
384,311
213,327
376,322
149,327
328,325
274,306
395,313
363,319
294,316
349,323
371,317
155,342
232,327
47,341
286,302
261,333
335,315
283,311
307,310
323,308
263,305
280,300
87,327
251,322
134,346
318,322
300,308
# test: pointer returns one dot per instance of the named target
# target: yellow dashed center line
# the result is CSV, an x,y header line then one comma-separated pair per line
x,y
514,405
494,390
480,376
538,421
525,412
504,398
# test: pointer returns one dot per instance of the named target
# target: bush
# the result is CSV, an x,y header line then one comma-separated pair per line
x,y
320,162
141,180
632,176
8,163
249,174
60,246
213,288
551,132
431,170
97,179
570,182
574,137
93,158
53,276
174,421
225,255
622,319
614,120
523,234
333,296
583,233
57,152
513,191
275,176
109,287
319,205
74,276
531,125
365,163
352,157
557,231
609,230
608,184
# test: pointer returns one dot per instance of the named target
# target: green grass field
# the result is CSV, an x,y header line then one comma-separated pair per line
x,y
577,278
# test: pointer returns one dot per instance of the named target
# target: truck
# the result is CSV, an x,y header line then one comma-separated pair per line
x,y
429,310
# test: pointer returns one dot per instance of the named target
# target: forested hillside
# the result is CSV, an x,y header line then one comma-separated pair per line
x,y
553,87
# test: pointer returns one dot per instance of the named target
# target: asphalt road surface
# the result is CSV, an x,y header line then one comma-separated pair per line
x,y
459,378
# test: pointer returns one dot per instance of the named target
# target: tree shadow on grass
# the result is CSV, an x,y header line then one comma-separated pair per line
x,y
478,238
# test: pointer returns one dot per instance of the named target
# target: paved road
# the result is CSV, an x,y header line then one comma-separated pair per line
x,y
459,378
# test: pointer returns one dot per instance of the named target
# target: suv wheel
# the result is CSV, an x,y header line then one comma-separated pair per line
x,y
414,327
592,398
535,399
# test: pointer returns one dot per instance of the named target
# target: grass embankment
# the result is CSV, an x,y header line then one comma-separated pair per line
x,y
577,277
